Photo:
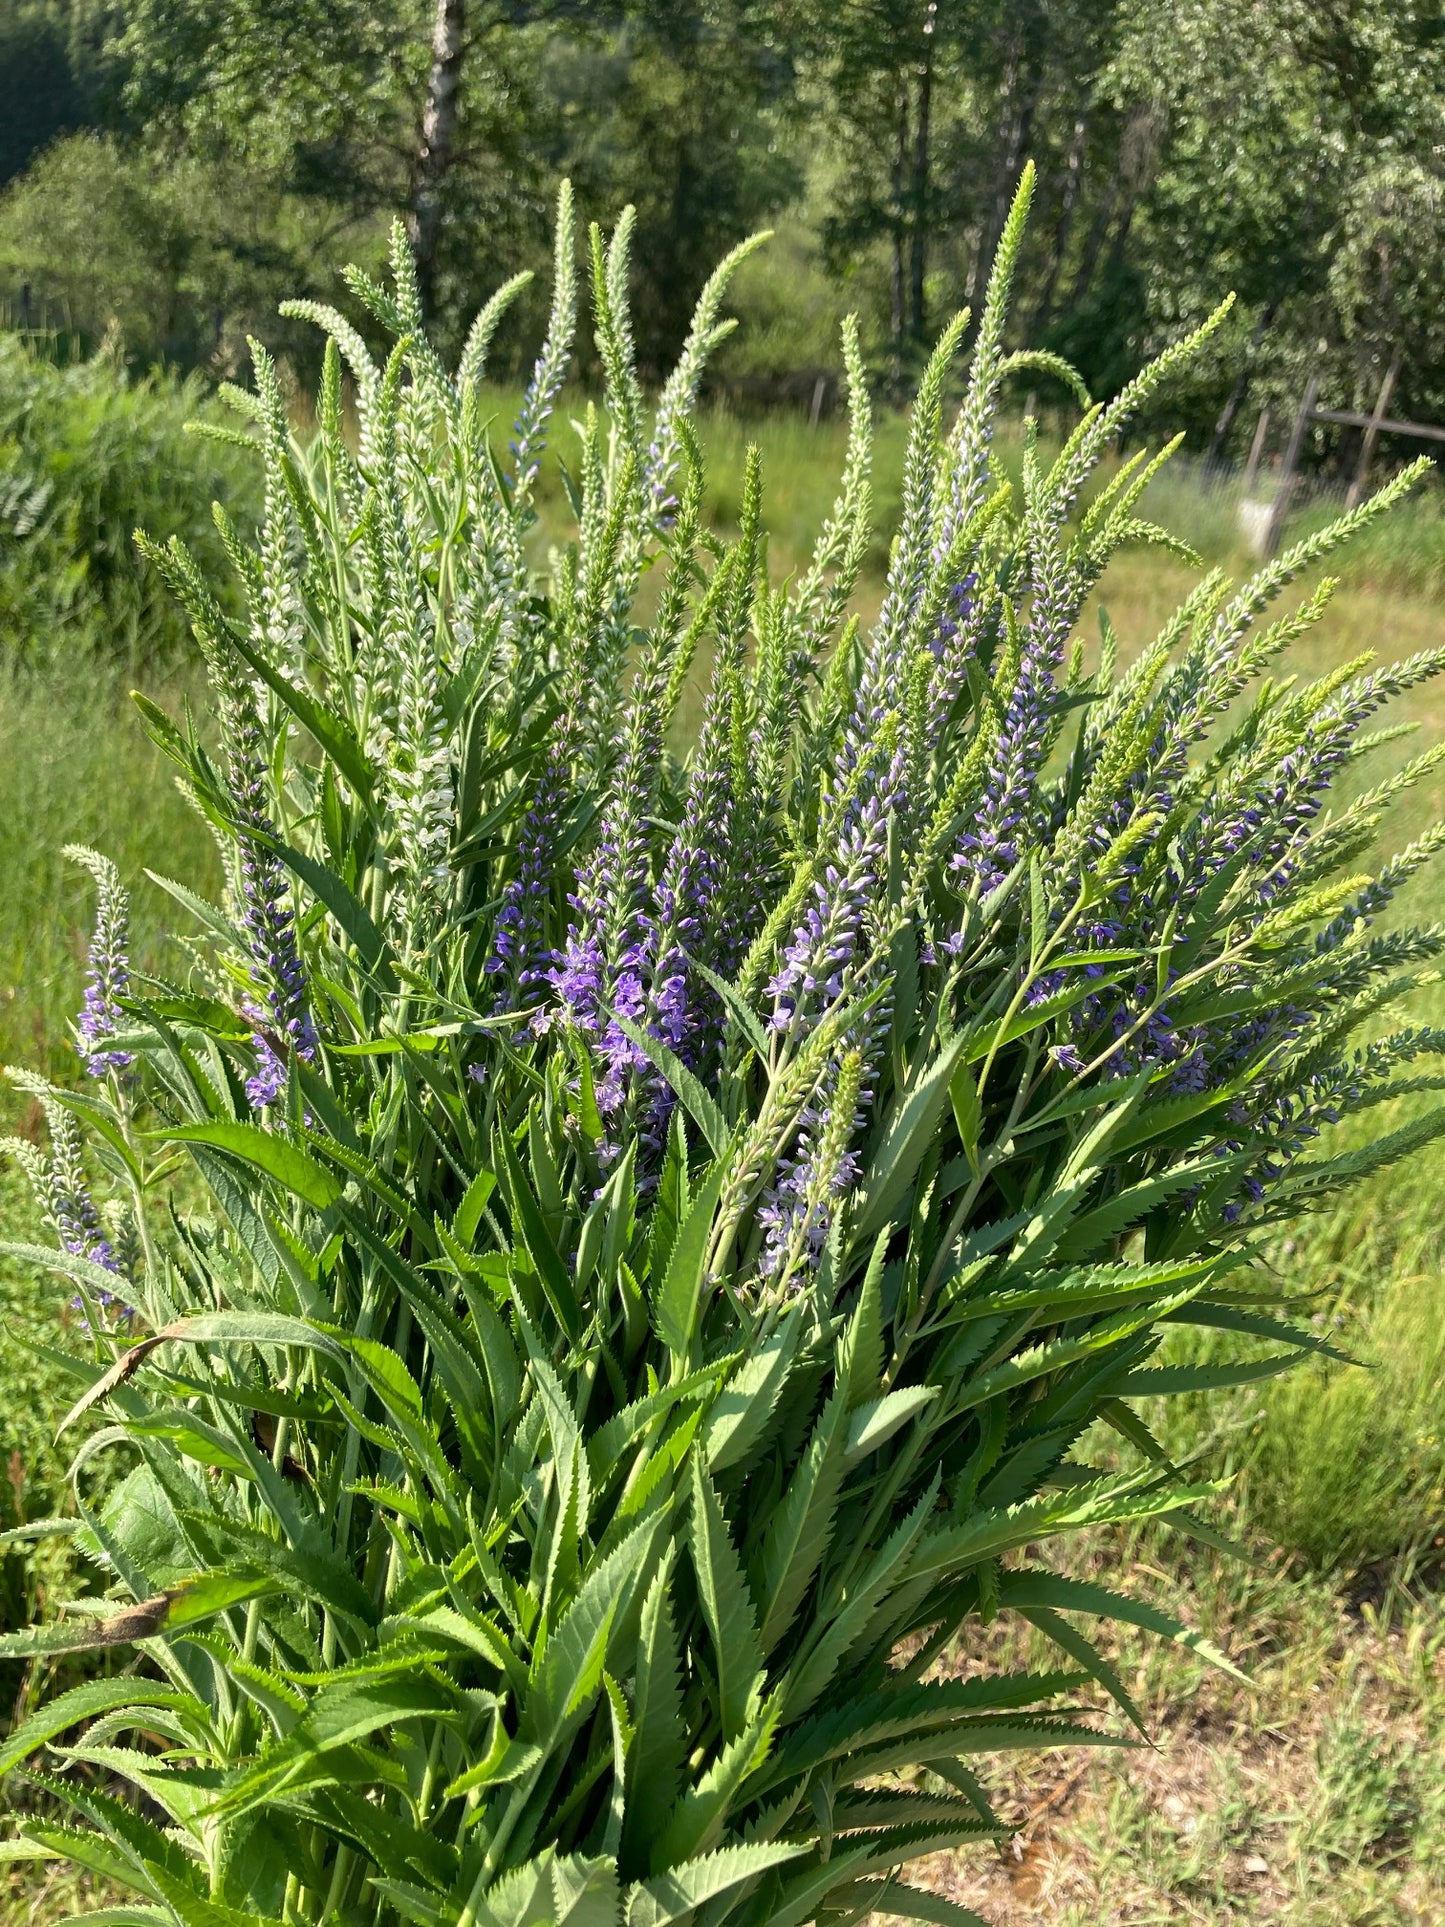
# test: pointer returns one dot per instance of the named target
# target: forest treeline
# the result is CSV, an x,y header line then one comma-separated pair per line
x,y
171,169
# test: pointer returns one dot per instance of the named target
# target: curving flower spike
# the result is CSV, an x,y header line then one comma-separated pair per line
x,y
952,646
282,1006
798,1208
827,944
990,849
108,965
67,1200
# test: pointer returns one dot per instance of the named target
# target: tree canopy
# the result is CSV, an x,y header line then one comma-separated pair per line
x,y
216,155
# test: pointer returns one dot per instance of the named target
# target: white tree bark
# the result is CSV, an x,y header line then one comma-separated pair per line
x,y
437,144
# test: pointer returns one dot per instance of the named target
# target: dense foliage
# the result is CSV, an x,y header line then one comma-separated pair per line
x,y
658,1233
85,454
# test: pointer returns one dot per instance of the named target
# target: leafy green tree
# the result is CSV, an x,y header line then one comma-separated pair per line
x,y
931,108
39,97
895,94
1272,119
685,109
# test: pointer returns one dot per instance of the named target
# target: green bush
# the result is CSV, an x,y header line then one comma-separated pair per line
x,y
660,1233
87,455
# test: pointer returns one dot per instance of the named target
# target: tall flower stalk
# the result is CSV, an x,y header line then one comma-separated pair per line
x,y
279,1007
107,977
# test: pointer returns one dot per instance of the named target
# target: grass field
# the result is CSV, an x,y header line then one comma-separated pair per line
x,y
1314,1795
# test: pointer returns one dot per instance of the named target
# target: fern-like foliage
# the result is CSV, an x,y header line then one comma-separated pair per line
x,y
668,1224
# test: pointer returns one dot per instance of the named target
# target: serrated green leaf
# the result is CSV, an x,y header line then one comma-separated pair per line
x,y
675,1894
659,1752
873,1424
1031,1587
726,1606
801,1527
739,1415
338,1716
531,1227
81,1703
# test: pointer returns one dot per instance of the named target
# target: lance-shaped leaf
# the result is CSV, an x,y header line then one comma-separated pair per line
x,y
83,1703
339,1715
541,1248
912,1131
659,1747
678,1893
290,1166
726,1606
801,1527
678,1301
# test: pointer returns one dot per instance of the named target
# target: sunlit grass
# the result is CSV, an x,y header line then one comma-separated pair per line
x,y
77,767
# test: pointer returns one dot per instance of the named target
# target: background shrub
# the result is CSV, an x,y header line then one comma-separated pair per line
x,y
87,454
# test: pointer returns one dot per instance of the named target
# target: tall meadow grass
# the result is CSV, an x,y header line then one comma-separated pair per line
x,y
76,767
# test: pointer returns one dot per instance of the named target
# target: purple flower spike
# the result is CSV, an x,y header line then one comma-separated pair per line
x,y
68,1201
268,1081
952,647
516,955
825,946
798,1209
108,966
268,920
989,850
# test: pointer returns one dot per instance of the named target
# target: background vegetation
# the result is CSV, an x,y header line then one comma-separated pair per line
x,y
178,166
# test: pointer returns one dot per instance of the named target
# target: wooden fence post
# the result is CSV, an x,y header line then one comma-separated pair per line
x,y
1290,464
1256,453
1372,435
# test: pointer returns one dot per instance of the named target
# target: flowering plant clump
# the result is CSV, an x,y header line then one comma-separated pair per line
x,y
661,1229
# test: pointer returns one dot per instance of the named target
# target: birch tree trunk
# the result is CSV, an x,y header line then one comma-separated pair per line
x,y
922,182
437,144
